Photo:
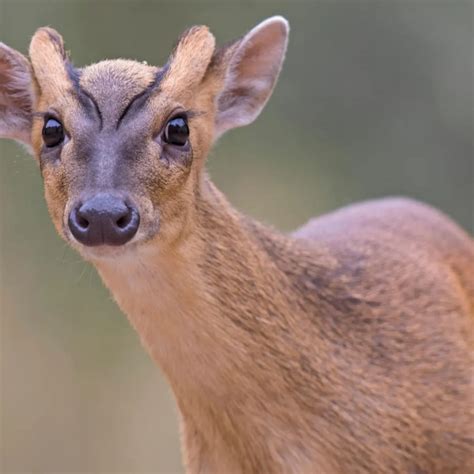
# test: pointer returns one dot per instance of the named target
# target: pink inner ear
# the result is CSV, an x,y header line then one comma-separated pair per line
x,y
262,52
16,97
15,88
251,74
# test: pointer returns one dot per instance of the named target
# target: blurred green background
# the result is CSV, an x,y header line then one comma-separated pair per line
x,y
375,99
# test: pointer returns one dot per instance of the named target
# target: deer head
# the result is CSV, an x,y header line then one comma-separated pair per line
x,y
121,144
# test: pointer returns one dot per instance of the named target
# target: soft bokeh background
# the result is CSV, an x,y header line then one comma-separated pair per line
x,y
375,99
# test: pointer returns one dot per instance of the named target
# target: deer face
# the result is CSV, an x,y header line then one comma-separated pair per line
x,y
121,144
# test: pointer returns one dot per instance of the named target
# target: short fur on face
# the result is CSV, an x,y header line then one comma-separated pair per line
x,y
114,114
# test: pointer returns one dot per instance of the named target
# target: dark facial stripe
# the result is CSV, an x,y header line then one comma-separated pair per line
x,y
85,99
142,97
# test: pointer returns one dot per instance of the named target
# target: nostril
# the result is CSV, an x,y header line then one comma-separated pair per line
x,y
123,221
82,221
79,223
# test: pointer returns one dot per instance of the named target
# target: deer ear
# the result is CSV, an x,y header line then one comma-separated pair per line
x,y
16,95
251,68
49,61
189,61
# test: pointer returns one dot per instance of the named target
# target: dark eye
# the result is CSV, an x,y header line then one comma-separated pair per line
x,y
53,132
176,131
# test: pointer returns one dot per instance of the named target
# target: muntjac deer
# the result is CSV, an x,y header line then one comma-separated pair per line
x,y
345,347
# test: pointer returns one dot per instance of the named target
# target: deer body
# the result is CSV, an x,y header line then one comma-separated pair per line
x,y
319,352
344,347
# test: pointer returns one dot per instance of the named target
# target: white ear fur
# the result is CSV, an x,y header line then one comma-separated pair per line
x,y
16,95
251,74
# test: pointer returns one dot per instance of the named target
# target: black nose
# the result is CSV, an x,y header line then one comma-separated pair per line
x,y
104,219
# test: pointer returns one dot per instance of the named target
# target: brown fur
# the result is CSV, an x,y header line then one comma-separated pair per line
x,y
345,347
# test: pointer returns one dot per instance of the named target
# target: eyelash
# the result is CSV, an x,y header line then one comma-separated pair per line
x,y
45,116
41,115
187,115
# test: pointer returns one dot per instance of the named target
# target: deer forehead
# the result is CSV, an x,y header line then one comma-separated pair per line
x,y
113,84
116,80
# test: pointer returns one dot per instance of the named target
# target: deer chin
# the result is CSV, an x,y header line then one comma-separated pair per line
x,y
106,252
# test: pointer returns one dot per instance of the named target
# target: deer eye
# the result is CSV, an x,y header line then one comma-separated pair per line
x,y
176,131
53,132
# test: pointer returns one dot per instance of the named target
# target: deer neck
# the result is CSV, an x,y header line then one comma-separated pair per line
x,y
215,314
200,302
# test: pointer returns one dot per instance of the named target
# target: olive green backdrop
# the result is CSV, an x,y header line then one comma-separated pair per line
x,y
375,99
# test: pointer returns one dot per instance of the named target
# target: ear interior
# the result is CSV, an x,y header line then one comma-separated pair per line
x,y
252,68
16,95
